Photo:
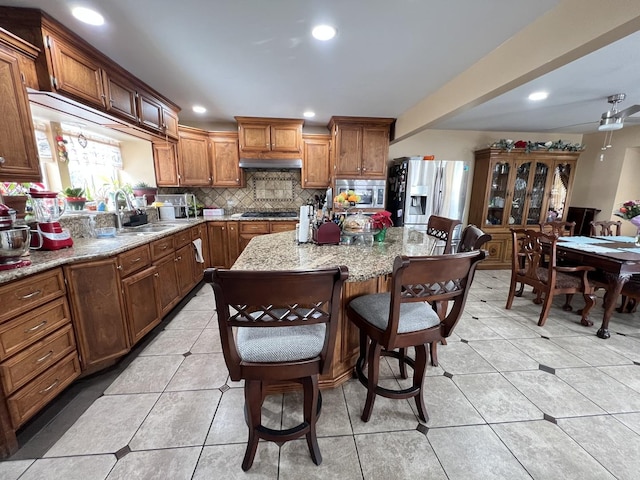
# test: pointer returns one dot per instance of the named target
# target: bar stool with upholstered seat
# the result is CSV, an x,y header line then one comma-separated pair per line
x,y
410,315
286,324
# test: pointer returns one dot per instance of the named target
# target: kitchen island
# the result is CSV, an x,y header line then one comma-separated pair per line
x,y
369,272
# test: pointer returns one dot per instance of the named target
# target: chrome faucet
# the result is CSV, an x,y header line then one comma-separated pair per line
x,y
120,213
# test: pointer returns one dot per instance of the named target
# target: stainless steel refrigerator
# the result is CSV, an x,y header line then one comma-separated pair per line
x,y
419,188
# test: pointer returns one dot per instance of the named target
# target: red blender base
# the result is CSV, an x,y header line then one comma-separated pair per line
x,y
12,265
53,236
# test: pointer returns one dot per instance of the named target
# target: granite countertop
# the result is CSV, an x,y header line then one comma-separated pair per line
x,y
281,251
236,217
84,249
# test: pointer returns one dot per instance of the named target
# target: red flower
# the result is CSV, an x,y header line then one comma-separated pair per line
x,y
381,220
520,144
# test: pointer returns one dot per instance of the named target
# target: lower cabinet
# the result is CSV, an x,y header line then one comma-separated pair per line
x,y
97,311
184,268
248,230
168,292
141,299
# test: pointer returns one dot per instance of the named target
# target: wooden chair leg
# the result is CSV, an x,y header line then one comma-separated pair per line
x,y
418,380
548,299
433,348
372,375
567,303
310,385
253,403
589,302
512,293
402,364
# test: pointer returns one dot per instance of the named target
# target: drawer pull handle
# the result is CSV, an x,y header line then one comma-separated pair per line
x,y
32,294
42,359
45,390
36,327
136,260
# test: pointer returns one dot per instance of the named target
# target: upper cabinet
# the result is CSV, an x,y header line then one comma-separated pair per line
x,y
193,158
165,162
361,146
18,152
225,160
69,66
316,161
270,137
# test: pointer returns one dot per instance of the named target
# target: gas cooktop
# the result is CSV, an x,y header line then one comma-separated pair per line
x,y
270,214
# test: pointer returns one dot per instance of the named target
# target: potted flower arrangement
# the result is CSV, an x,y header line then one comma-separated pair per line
x,y
631,211
381,221
143,188
75,197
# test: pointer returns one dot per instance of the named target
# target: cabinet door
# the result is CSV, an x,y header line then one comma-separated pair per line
x,y
168,292
165,162
233,243
523,170
200,231
149,112
560,190
194,159
121,97
184,268
375,150
97,311
539,192
316,166
225,161
254,137
286,138
499,193
348,150
170,123
218,248
18,153
75,73
141,303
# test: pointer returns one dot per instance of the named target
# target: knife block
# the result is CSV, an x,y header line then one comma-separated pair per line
x,y
326,234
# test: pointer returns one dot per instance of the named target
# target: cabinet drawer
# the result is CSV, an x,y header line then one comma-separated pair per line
x,y
161,247
180,239
37,393
254,227
198,232
22,295
276,227
22,331
30,363
134,260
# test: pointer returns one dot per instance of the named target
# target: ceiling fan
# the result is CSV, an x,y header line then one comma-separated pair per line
x,y
614,119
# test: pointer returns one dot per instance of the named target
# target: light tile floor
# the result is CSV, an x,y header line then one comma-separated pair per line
x,y
509,400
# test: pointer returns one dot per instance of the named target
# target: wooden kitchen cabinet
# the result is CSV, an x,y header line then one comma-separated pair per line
x,y
224,246
282,226
193,158
165,162
270,137
170,123
18,152
168,292
98,313
184,268
225,160
150,111
360,146
200,231
141,302
517,190
316,161
248,230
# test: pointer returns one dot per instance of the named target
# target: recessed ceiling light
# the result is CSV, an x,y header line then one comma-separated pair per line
x,y
309,114
535,96
199,109
87,15
323,32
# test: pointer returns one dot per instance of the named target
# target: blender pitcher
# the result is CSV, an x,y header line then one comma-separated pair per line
x,y
47,206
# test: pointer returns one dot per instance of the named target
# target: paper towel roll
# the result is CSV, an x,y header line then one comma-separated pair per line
x,y
303,232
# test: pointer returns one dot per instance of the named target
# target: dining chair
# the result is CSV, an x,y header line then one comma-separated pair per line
x,y
529,267
558,228
410,315
604,228
441,228
278,326
472,238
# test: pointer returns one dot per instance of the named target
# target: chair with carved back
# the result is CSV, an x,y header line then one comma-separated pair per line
x,y
278,326
604,228
529,267
472,238
441,228
558,228
412,314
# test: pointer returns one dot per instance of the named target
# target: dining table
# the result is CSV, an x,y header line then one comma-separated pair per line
x,y
615,258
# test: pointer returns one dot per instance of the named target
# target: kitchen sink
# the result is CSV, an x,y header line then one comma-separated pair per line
x,y
147,229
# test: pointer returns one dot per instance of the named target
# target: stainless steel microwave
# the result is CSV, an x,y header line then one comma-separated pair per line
x,y
372,193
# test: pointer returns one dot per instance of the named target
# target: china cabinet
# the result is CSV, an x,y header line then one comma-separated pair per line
x,y
517,189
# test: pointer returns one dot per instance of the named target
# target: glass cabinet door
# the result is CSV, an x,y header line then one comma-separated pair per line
x,y
519,197
535,214
559,189
498,193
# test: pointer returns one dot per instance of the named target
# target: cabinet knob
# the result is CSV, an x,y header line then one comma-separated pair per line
x,y
2,160
156,275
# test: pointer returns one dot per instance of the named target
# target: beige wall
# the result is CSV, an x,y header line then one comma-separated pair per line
x,y
606,184
137,158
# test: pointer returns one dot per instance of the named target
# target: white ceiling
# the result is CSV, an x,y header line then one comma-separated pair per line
x,y
257,58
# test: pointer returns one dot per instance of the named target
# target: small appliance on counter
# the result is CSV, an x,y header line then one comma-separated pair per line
x,y
14,240
180,203
48,234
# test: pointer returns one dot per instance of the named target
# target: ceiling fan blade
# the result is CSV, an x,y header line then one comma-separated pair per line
x,y
627,112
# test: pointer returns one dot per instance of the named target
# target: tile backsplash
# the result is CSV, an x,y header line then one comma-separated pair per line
x,y
265,190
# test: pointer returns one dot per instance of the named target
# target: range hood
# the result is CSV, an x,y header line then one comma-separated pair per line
x,y
270,163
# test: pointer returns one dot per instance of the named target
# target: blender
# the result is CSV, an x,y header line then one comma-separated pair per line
x,y
48,208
